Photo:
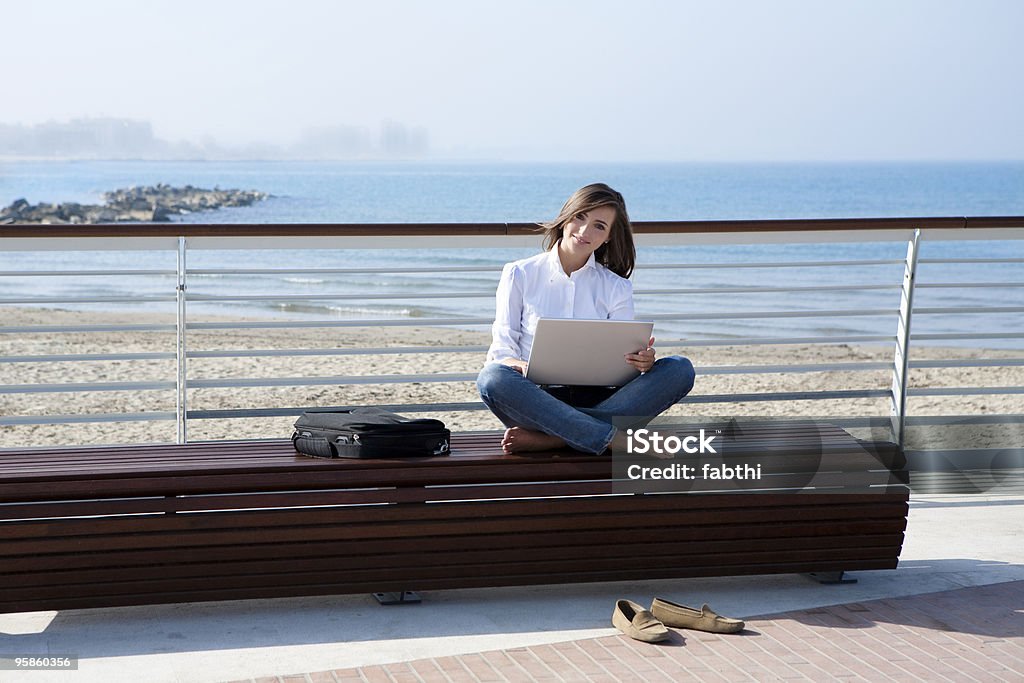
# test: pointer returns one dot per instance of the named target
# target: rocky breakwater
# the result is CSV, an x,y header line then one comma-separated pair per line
x,y
152,204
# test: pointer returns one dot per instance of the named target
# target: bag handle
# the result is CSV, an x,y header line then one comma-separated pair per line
x,y
317,446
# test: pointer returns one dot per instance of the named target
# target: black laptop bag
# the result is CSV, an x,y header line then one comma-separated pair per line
x,y
369,433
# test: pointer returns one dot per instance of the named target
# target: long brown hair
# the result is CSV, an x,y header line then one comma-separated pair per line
x,y
618,254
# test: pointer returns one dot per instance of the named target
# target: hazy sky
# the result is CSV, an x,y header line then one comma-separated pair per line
x,y
779,80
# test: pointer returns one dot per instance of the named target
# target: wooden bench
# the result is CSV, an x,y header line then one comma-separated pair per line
x,y
97,527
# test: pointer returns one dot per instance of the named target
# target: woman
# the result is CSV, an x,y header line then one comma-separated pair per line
x,y
582,274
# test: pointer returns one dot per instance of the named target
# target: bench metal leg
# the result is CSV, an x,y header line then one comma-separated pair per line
x,y
830,578
398,598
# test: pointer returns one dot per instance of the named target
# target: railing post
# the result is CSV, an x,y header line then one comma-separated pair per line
x,y
898,394
182,379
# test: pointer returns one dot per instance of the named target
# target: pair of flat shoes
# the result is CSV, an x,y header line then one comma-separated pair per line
x,y
649,625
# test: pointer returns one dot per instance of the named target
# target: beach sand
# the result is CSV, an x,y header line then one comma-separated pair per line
x,y
334,394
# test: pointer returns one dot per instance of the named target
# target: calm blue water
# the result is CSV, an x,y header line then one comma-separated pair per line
x,y
468,192
336,192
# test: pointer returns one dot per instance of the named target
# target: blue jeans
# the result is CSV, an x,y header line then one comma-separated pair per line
x,y
518,402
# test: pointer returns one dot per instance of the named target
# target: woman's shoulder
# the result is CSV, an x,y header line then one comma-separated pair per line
x,y
612,278
529,263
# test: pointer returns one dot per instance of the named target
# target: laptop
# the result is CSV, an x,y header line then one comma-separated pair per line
x,y
586,352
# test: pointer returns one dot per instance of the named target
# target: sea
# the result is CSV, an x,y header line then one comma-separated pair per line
x,y
455,192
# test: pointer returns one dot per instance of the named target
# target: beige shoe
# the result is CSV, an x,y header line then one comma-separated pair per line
x,y
638,623
681,616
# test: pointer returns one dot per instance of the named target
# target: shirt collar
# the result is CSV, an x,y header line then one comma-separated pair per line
x,y
556,264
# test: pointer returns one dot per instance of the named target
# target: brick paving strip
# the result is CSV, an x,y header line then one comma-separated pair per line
x,y
968,634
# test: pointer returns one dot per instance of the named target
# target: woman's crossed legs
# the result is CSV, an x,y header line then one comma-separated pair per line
x,y
536,420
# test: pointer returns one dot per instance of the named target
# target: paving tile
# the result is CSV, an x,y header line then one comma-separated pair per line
x,y
480,669
322,677
531,665
375,674
641,659
428,671
401,673
582,660
454,669
969,634
557,662
705,656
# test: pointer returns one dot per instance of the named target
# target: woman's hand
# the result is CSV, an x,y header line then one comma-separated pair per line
x,y
516,364
642,360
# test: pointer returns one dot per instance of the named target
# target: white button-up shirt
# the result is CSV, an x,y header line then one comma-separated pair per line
x,y
537,287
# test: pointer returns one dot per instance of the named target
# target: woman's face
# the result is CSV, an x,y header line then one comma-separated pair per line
x,y
587,230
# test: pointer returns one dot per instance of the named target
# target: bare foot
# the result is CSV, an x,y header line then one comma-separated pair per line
x,y
521,440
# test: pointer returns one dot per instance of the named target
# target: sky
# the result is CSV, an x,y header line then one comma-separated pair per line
x,y
539,80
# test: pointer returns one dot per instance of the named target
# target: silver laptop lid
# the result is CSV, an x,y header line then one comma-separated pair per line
x,y
586,352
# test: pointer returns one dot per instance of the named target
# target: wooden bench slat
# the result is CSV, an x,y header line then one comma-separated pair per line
x,y
156,479
138,539
269,451
98,468
144,597
795,535
467,564
286,499
701,509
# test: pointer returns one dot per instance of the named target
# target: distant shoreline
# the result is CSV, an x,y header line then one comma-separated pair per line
x,y
147,204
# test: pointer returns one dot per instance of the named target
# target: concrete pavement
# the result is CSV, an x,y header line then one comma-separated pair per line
x,y
952,542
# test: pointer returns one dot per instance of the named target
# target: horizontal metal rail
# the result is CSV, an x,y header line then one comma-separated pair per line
x,y
772,290
967,363
957,420
768,264
52,329
836,313
35,300
966,224
967,285
971,260
376,351
400,350
758,341
85,357
488,269
433,408
964,391
843,422
950,336
341,271
343,380
490,294
79,273
964,310
40,388
497,268
193,297
231,413
375,322
441,322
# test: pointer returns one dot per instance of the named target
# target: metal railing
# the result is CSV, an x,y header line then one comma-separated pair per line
x,y
184,240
